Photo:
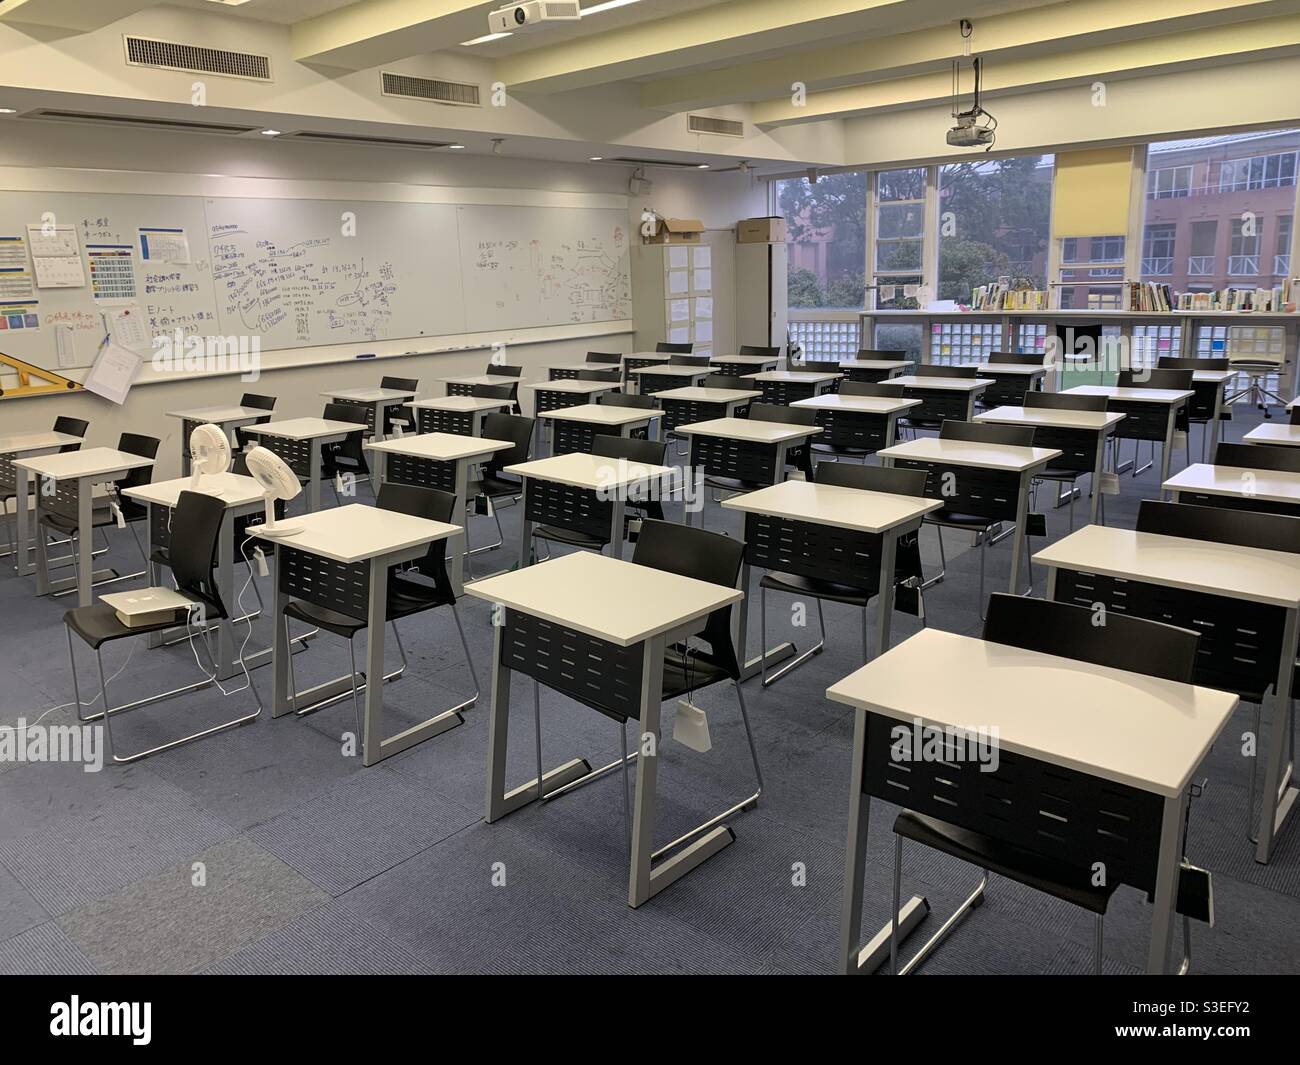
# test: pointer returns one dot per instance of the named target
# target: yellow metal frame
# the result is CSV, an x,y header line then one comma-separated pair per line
x,y
26,371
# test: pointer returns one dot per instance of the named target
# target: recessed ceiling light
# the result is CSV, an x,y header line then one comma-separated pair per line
x,y
455,147
702,166
485,38
230,3
270,133
608,5
596,158
8,110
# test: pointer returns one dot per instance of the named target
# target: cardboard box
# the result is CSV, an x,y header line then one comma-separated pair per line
x,y
770,230
678,231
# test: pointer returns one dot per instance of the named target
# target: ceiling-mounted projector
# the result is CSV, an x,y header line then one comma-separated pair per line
x,y
533,15
970,131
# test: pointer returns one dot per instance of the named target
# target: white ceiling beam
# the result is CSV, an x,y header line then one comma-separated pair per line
x,y
80,15
374,32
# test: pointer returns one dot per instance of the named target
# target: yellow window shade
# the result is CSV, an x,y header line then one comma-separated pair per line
x,y
1090,196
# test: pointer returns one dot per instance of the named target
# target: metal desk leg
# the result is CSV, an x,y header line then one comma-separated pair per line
x,y
885,597
525,526
1279,791
313,487
85,565
152,569
22,523
1162,908
1168,448
1018,543
226,582
377,437
618,508
280,649
42,548
456,544
1097,471
1218,418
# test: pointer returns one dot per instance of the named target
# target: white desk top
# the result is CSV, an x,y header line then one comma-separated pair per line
x,y
1273,486
442,447
573,385
702,370
745,360
695,394
1052,417
1124,727
605,597
233,489
1216,377
600,414
591,471
796,377
1008,457
371,395
873,364
582,366
832,504
836,401
1197,565
461,403
1012,368
357,532
954,384
658,356
752,430
482,379
20,443
306,428
1269,433
1131,395
88,462
218,415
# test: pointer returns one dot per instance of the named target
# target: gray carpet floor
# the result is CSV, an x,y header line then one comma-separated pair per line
x,y
268,849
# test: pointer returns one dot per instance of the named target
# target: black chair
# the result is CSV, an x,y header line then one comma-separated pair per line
x,y
1006,391
252,399
1076,460
726,380
930,369
1181,380
916,421
195,531
871,388
502,392
630,399
1295,415
413,588
9,474
664,348
600,375
1200,409
982,527
798,456
644,452
346,457
908,578
687,360
70,427
506,370
403,415
491,484
757,349
687,666
1135,645
604,357
887,354
1258,457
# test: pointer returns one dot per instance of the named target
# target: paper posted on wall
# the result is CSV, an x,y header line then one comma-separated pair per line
x,y
115,369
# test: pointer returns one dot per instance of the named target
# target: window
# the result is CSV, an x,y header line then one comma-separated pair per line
x,y
1158,250
1243,248
1169,181
1092,271
994,217
1257,172
899,237
826,223
1282,248
1201,261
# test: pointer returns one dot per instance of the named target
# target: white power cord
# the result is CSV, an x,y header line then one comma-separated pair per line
x,y
239,604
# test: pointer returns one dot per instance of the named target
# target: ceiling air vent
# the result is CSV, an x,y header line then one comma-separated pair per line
x,y
168,55
654,162
361,138
435,90
725,127
134,122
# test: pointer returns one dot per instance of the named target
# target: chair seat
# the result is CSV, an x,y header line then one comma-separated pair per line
x,y
97,624
1069,883
841,449
732,484
953,519
817,588
1060,473
492,486
572,537
100,516
405,597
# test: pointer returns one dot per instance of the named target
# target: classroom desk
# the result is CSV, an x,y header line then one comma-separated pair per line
x,y
298,441
785,386
866,422
464,386
626,615
1080,434
584,493
568,371
982,477
747,449
73,475
785,531
1252,597
574,428
11,480
375,401
339,559
1272,491
1143,737
1279,435
873,371
441,461
659,378
242,496
1151,415
556,395
635,360
697,404
943,397
227,418
1010,381
462,415
738,365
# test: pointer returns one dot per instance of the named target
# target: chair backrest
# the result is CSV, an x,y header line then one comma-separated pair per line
x,y
252,399
1174,379
72,427
503,370
727,380
624,399
1295,415
503,392
1014,358
431,504
351,446
192,557
1065,401
705,556
1173,362
145,447
665,348
1134,644
401,384
987,433
932,370
892,354
648,452
688,360
776,412
871,388
1244,528
604,356
346,412
513,427
599,375
757,349
897,482
1258,457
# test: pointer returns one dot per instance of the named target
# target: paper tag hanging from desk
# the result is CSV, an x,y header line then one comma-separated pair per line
x,y
1110,484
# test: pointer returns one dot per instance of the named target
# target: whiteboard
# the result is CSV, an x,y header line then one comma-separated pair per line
x,y
554,266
